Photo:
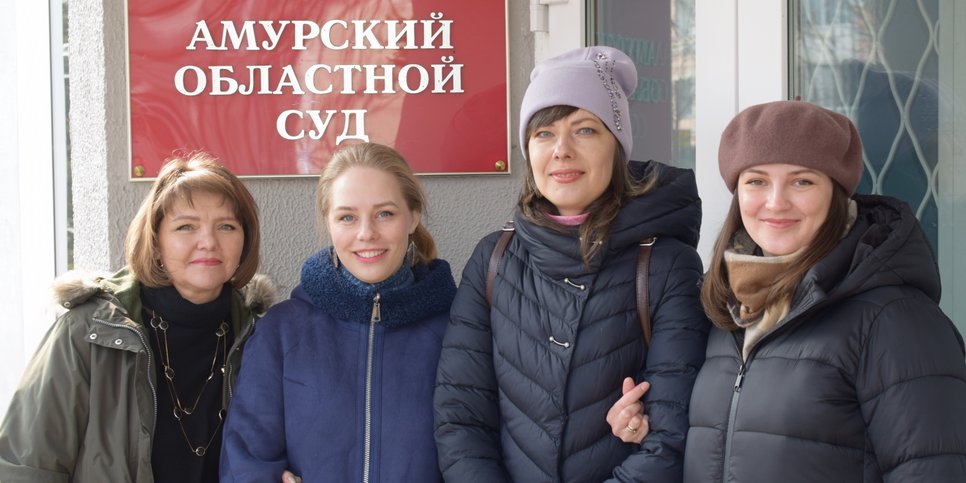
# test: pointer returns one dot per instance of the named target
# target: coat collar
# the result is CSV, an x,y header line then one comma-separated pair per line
x,y
671,209
430,294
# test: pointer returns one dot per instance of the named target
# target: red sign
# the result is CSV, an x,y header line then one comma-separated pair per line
x,y
274,88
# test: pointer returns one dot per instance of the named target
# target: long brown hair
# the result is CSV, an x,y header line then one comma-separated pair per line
x,y
602,211
180,177
387,160
716,292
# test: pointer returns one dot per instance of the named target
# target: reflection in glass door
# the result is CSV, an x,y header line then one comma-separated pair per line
x,y
889,65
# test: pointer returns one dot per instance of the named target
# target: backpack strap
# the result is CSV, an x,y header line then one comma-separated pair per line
x,y
495,257
643,264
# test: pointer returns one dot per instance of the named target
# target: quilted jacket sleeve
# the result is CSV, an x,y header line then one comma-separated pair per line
x,y
254,443
465,404
680,334
43,427
911,384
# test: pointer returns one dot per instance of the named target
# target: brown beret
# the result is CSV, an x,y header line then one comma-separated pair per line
x,y
791,132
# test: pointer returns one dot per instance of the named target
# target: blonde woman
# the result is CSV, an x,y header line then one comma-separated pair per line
x,y
338,380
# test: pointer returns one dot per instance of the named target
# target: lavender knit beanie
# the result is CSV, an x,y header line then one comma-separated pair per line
x,y
791,132
597,79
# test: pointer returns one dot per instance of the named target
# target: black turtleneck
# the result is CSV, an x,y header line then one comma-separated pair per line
x,y
191,344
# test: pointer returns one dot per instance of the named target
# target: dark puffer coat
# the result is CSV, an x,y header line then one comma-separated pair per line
x,y
524,387
863,381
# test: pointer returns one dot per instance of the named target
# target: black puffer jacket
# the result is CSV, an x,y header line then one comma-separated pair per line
x,y
863,381
513,405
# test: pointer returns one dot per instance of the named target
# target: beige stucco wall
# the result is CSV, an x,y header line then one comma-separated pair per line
x,y
462,208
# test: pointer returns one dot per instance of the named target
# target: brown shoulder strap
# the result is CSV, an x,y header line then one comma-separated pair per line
x,y
495,257
643,264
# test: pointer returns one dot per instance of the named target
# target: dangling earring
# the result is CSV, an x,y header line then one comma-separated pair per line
x,y
411,252
335,258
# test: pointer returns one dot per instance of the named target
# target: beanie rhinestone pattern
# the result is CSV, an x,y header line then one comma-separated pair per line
x,y
613,90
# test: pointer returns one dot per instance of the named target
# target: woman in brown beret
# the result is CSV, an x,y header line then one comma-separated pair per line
x,y
832,360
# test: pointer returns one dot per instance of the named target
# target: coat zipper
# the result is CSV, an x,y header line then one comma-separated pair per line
x,y
797,320
147,350
235,348
739,381
732,411
376,318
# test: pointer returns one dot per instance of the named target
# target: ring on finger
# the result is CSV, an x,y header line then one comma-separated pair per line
x,y
630,429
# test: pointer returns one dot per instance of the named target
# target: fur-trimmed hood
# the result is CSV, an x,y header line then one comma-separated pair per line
x,y
260,293
91,388
76,287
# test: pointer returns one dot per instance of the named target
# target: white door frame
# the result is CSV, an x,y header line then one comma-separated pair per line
x,y
27,241
741,51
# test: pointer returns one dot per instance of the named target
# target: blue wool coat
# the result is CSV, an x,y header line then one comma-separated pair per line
x,y
513,405
332,395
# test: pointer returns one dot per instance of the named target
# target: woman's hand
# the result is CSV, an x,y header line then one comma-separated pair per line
x,y
289,477
626,417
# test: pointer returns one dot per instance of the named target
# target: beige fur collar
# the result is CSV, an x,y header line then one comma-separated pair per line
x,y
75,287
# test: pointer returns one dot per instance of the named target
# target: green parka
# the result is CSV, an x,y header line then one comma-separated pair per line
x,y
86,408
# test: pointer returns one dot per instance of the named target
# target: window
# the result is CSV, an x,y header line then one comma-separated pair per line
x,y
889,65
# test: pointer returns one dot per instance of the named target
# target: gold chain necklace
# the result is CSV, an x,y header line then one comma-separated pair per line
x,y
160,327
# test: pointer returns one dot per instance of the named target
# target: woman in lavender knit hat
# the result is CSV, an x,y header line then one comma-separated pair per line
x,y
545,336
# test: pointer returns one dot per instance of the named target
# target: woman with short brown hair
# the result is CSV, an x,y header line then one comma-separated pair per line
x,y
132,381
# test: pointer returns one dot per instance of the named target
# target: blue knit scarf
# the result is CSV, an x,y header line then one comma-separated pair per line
x,y
407,296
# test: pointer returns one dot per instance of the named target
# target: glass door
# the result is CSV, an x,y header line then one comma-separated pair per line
x,y
659,37
891,66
